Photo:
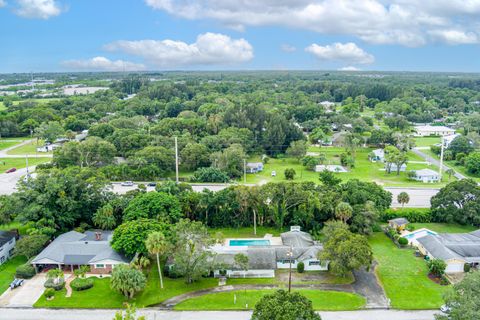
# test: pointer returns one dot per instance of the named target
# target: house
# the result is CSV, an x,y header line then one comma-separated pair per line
x,y
254,167
426,176
7,244
398,223
74,249
295,246
455,249
428,130
393,167
81,136
330,167
377,155
448,139
47,147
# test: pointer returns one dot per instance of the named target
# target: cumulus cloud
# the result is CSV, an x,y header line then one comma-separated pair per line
x,y
405,22
102,64
208,49
37,9
349,68
346,52
288,48
455,36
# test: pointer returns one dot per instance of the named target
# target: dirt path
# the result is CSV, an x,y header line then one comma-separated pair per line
x,y
68,287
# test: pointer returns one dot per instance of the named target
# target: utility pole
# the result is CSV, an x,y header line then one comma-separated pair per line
x,y
254,222
244,171
176,160
441,160
290,256
26,162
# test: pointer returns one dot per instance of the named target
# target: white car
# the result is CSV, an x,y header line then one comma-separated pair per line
x,y
445,308
128,184
274,173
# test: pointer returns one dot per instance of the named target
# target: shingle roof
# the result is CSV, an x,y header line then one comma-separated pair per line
x,y
399,221
80,248
426,173
6,236
297,239
446,246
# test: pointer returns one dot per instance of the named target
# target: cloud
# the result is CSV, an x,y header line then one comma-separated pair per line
x,y
345,52
288,48
349,68
208,49
37,9
454,37
2,3
405,22
102,64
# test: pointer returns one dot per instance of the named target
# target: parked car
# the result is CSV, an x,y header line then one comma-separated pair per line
x,y
274,173
445,308
128,184
16,283
11,170
152,184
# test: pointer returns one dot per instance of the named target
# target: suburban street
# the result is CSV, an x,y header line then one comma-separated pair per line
x,y
8,181
419,197
436,162
151,314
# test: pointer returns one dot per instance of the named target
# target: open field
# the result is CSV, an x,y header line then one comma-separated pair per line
x,y
321,300
29,149
364,170
7,271
7,163
404,276
10,142
426,141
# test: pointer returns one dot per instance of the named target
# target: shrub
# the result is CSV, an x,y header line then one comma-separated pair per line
x,y
444,281
172,273
289,173
49,293
392,233
25,271
80,284
467,267
396,236
210,174
419,215
410,227
437,267
402,241
56,286
300,267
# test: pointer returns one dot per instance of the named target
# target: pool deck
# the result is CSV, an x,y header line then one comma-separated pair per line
x,y
413,241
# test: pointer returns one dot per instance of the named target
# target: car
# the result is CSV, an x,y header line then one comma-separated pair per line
x,y
128,184
274,173
445,308
16,283
152,184
11,170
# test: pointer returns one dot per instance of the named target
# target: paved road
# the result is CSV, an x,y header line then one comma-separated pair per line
x,y
71,314
8,181
436,162
419,197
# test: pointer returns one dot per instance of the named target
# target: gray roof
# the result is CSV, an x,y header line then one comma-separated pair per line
x,y
297,239
5,237
80,248
426,173
464,246
399,221
259,258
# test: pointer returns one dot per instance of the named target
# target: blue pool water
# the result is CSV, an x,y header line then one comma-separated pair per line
x,y
419,234
244,243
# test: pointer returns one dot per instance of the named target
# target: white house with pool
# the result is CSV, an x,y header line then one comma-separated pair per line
x,y
269,254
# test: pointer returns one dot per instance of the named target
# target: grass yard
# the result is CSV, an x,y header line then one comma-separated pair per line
x,y
454,166
445,227
21,227
321,300
7,163
247,232
308,277
426,141
29,149
364,169
9,142
404,276
7,272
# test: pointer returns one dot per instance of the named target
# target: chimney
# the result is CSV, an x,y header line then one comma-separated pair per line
x,y
98,236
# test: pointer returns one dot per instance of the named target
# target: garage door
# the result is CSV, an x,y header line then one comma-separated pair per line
x,y
454,267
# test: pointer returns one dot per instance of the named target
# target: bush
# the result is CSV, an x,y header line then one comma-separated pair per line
x,y
392,233
80,284
410,227
402,241
467,267
171,272
437,267
56,286
25,271
300,267
420,215
210,174
444,281
49,293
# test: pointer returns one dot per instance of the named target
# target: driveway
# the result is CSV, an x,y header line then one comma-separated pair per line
x,y
367,285
26,295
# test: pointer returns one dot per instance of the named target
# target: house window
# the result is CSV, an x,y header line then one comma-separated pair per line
x,y
314,263
285,261
99,266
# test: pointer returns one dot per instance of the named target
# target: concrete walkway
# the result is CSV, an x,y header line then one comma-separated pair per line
x,y
68,287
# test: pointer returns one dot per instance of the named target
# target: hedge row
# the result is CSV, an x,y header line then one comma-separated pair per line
x,y
421,215
57,286
24,271
80,284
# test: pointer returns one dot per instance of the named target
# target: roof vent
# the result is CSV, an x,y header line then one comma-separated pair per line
x,y
98,236
295,228
86,242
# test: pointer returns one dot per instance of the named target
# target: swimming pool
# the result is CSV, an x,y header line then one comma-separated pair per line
x,y
419,234
248,242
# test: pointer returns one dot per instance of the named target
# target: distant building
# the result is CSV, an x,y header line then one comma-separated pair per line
x,y
377,155
393,167
398,223
330,167
448,139
426,176
428,130
7,244
81,136
254,167
47,147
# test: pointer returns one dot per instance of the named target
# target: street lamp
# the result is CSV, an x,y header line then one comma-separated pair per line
x,y
290,256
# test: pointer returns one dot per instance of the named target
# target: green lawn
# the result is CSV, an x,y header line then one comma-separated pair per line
x,y
404,276
308,277
21,227
2,106
7,271
29,149
426,141
247,232
9,142
364,169
321,300
7,163
445,227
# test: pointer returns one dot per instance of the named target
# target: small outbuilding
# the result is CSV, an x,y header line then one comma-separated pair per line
x,y
254,167
377,155
398,223
426,176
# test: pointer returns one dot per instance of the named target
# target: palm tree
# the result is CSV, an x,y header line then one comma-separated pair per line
x,y
343,211
157,245
450,173
403,198
81,271
55,274
140,263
